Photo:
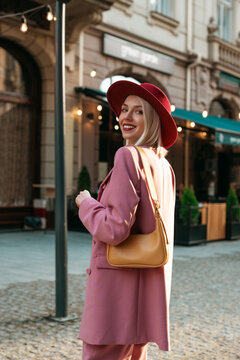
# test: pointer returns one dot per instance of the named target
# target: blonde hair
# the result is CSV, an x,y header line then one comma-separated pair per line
x,y
152,129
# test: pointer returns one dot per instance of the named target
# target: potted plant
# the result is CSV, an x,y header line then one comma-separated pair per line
x,y
233,215
188,227
84,183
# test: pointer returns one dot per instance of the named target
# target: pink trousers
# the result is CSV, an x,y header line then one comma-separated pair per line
x,y
114,352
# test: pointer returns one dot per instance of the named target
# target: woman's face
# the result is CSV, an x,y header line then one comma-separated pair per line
x,y
131,119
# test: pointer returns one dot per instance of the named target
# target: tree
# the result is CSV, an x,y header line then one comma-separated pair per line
x,y
84,181
232,200
189,199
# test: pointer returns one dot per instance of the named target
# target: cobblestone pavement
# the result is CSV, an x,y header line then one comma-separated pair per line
x,y
205,312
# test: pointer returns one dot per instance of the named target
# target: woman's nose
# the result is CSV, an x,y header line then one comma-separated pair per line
x,y
128,115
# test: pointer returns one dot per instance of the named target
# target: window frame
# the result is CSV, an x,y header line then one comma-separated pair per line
x,y
162,7
225,29
164,21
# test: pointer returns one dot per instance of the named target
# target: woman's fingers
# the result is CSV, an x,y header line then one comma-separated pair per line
x,y
81,196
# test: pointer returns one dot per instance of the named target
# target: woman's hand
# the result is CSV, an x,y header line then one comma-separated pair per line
x,y
81,196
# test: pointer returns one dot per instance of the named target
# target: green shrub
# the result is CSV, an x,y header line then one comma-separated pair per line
x,y
189,199
84,181
232,200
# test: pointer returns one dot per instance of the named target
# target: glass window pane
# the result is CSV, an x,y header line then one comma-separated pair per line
x,y
224,21
161,6
11,75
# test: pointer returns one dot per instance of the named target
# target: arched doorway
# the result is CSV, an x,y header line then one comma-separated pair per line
x,y
20,111
221,108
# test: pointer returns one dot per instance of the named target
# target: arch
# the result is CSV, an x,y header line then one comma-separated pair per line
x,y
22,113
140,74
224,107
29,68
41,50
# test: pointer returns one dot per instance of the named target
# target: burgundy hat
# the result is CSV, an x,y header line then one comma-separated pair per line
x,y
118,92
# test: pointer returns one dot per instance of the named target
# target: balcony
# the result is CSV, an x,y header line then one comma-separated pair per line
x,y
224,53
80,16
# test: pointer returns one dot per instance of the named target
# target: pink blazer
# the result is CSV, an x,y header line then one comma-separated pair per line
x,y
127,306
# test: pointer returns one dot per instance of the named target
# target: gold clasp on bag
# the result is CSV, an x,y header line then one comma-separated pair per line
x,y
157,207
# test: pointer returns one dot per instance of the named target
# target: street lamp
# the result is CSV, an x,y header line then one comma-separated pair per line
x,y
60,203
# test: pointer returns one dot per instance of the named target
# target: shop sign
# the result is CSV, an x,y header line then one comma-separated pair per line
x,y
227,139
131,52
229,83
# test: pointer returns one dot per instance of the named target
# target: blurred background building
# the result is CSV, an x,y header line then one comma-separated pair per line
x,y
189,48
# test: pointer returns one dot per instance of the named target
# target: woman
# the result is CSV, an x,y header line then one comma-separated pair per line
x,y
127,308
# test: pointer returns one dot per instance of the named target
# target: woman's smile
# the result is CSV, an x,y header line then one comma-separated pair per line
x,y
128,127
131,119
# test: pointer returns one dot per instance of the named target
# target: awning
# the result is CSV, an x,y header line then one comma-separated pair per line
x,y
213,122
227,130
93,93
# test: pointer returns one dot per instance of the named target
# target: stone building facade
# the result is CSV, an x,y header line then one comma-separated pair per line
x,y
189,48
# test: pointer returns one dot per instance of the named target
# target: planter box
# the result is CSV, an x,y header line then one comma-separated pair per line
x,y
233,224
233,230
190,234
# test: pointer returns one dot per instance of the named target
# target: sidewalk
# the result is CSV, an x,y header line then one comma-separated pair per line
x,y
205,304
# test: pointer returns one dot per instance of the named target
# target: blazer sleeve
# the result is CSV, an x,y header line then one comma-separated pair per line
x,y
111,223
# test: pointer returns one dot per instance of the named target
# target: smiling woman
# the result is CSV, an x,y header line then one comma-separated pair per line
x,y
131,119
127,308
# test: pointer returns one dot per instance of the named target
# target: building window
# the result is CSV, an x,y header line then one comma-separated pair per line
x,y
11,75
225,19
161,6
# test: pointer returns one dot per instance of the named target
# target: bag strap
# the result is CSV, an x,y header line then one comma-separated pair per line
x,y
149,177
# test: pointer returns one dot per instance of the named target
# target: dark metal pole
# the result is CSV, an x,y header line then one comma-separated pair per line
x,y
60,204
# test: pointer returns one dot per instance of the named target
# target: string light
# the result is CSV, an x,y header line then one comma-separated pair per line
x,y
179,129
204,113
93,73
116,127
99,107
22,14
23,26
79,112
49,16
99,117
173,108
192,124
117,119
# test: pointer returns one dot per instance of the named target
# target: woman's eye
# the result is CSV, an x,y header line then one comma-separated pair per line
x,y
140,112
123,110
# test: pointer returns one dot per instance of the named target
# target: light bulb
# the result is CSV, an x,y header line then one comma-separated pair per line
x,y
99,107
49,13
116,127
93,73
204,113
117,119
99,117
79,112
192,124
179,129
173,108
23,26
